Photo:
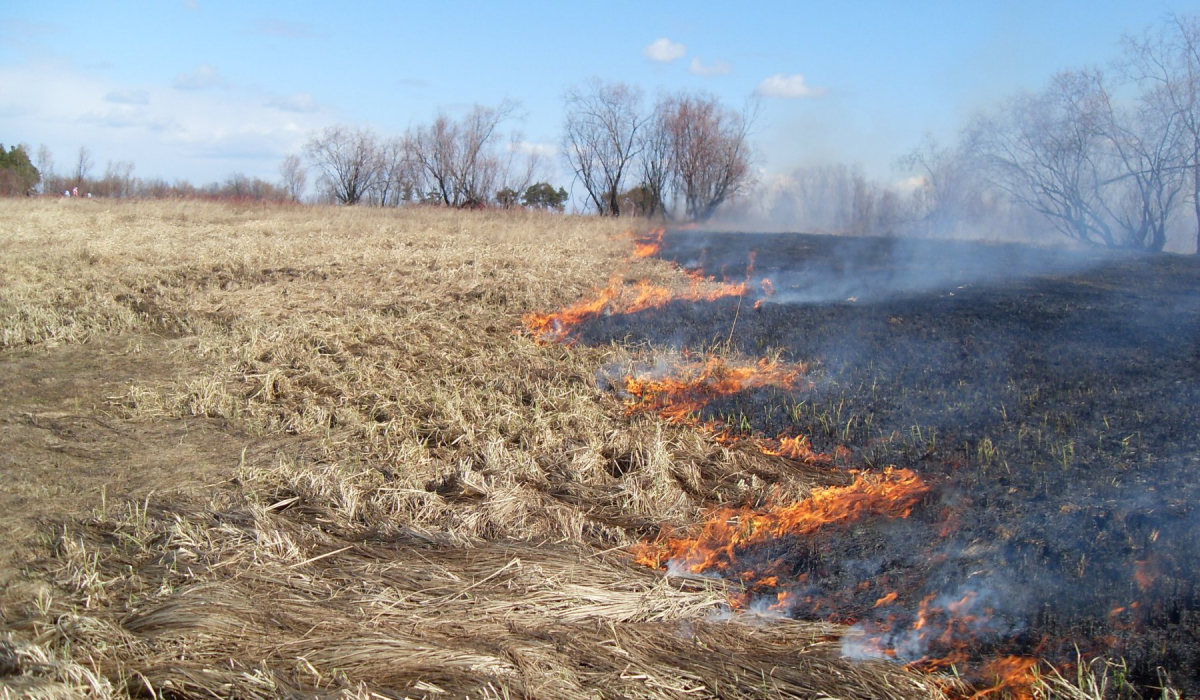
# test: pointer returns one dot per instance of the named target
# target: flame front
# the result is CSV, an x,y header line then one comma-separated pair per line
x,y
620,298
650,244
938,636
680,397
1012,675
728,531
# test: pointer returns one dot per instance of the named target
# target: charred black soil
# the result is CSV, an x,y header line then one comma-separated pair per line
x,y
1052,397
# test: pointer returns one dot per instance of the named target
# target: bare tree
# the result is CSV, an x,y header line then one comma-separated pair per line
x,y
520,166
459,157
83,165
397,179
1166,62
237,186
1047,151
45,166
658,159
434,148
347,159
294,176
118,179
1146,139
601,139
710,151
947,194
1101,174
826,198
479,167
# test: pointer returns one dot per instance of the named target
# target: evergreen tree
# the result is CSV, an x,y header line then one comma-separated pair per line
x,y
17,174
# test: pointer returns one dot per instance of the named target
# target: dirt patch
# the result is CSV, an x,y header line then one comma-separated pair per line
x,y
64,450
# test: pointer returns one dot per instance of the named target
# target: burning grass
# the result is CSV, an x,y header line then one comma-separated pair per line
x,y
729,531
446,501
1003,386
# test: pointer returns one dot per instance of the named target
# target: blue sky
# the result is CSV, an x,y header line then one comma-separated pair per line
x,y
198,89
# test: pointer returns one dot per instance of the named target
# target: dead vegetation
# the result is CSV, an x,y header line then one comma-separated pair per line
x,y
447,504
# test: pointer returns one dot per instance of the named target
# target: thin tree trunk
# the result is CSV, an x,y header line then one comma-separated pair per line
x,y
1196,203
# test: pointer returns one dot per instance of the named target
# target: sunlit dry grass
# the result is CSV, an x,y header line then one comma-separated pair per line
x,y
452,513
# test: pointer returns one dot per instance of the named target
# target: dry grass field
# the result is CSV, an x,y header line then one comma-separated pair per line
x,y
270,452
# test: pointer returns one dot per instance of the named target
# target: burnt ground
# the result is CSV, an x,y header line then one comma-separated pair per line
x,y
1052,398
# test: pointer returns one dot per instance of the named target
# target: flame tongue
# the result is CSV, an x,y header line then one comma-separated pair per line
x,y
649,244
620,298
556,326
694,386
1013,675
891,494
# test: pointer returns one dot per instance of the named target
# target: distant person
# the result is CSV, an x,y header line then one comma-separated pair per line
x,y
66,193
74,191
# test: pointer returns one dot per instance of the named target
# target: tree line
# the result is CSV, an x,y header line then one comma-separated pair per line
x,y
19,175
456,162
686,156
1105,157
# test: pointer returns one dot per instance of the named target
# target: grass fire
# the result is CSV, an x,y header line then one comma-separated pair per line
x,y
276,451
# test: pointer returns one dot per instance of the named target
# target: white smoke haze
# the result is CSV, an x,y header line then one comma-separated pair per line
x,y
843,200
679,568
970,615
763,610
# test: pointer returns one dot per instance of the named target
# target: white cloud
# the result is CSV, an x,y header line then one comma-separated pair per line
x,y
784,85
717,67
203,77
664,50
128,97
200,135
301,102
191,5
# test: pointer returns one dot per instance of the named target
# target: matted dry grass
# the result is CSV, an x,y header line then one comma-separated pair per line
x,y
451,515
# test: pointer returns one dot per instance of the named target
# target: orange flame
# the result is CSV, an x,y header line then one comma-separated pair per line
x,y
556,326
892,494
768,291
650,244
618,298
1012,675
795,448
678,398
